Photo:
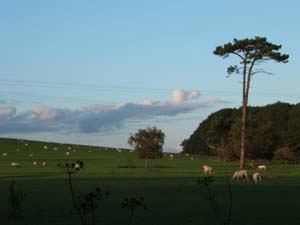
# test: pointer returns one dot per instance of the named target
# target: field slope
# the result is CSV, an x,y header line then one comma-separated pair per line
x,y
169,187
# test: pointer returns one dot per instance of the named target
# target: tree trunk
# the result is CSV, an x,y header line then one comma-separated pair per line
x,y
243,136
146,162
246,87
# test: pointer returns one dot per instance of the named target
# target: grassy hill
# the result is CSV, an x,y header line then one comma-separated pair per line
x,y
169,187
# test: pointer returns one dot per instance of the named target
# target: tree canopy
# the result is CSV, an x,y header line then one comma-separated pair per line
x,y
148,142
270,128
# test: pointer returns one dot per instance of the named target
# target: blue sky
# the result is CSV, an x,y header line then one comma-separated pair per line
x,y
79,71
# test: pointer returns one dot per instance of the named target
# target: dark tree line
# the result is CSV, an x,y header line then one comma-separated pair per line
x,y
273,132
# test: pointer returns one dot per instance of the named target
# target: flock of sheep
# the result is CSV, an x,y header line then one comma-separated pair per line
x,y
35,164
241,174
15,164
237,175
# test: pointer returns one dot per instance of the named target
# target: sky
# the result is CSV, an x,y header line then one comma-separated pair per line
x,y
94,72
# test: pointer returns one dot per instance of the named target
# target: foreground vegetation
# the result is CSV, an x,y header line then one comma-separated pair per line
x,y
169,187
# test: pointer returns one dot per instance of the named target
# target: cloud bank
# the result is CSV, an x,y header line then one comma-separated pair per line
x,y
96,118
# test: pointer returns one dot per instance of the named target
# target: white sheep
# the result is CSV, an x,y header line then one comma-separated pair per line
x,y
45,147
240,175
77,166
15,164
35,164
256,178
4,154
208,169
67,153
44,164
262,167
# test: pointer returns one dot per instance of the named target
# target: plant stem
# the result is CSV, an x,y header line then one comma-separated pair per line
x,y
214,206
73,198
93,213
131,216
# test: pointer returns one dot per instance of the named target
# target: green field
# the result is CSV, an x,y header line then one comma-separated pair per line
x,y
169,187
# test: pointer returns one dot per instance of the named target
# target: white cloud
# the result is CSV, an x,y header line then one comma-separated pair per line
x,y
148,102
7,112
45,113
178,148
179,96
96,108
96,118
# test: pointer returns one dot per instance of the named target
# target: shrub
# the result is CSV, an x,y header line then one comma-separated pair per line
x,y
228,155
284,155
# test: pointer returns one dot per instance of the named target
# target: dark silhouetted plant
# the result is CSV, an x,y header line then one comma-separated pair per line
x,y
86,204
218,212
132,204
70,169
16,198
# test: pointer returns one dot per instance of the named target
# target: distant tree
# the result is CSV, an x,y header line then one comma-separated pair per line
x,y
148,143
251,52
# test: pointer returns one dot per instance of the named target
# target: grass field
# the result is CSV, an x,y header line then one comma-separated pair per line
x,y
169,187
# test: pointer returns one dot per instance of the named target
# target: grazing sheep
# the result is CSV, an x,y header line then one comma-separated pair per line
x,y
77,166
44,164
251,164
240,175
208,170
45,147
67,153
35,164
4,154
256,178
262,167
15,164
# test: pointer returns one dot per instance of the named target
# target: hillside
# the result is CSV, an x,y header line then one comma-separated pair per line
x,y
270,128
